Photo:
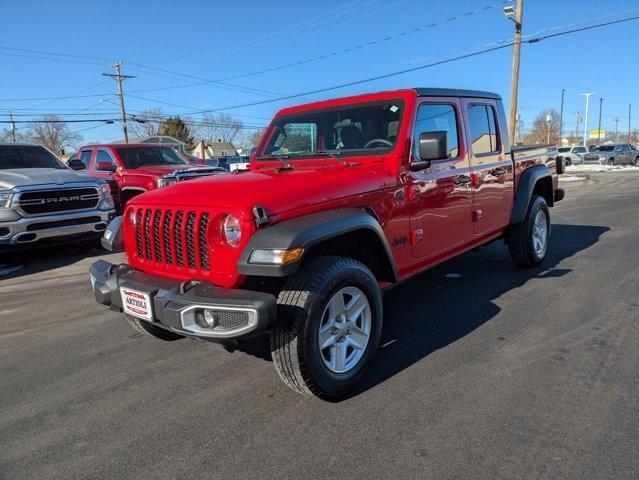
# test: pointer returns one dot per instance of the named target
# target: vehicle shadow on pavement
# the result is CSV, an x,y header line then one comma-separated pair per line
x,y
40,259
431,311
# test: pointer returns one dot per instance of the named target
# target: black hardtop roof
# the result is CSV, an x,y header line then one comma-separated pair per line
x,y
454,92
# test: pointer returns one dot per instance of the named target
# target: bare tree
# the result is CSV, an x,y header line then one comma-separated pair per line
x,y
149,125
6,136
53,134
539,130
248,139
222,127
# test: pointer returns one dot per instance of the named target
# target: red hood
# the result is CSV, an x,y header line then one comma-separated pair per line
x,y
159,170
276,191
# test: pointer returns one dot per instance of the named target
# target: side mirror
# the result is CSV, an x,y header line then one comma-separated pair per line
x,y
432,146
106,167
76,164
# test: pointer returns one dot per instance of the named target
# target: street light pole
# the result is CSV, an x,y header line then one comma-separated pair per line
x,y
599,127
587,95
629,123
514,84
561,115
548,120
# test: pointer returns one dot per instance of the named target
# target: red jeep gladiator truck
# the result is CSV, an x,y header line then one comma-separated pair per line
x,y
344,198
131,169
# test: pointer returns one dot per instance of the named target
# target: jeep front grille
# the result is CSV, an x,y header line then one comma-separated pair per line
x,y
36,202
176,238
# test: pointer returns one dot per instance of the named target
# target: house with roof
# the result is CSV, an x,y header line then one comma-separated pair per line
x,y
213,150
158,140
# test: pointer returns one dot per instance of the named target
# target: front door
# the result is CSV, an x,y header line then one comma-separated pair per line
x,y
440,196
491,168
104,159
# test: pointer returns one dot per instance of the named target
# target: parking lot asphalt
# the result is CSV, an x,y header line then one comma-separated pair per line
x,y
491,372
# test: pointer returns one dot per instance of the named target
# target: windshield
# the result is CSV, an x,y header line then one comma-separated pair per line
x,y
564,149
359,129
28,156
135,157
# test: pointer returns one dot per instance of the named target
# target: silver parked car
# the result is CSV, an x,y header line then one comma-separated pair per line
x,y
573,155
621,154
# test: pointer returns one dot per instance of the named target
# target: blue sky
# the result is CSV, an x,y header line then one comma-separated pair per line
x,y
221,39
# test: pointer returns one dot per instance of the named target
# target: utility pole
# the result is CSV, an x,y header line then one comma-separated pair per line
x,y
548,120
616,129
514,84
119,77
599,127
561,115
13,128
629,123
587,95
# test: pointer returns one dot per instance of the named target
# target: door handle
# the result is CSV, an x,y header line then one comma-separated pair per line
x,y
462,179
499,171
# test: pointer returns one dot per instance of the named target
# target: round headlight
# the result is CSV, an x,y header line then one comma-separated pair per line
x,y
132,217
232,230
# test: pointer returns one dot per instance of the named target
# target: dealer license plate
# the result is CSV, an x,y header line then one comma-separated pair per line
x,y
137,303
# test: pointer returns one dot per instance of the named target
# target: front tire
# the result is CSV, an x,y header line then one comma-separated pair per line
x,y
636,162
328,327
529,240
611,162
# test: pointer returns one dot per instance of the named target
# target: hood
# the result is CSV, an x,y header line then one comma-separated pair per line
x,y
276,191
161,170
21,177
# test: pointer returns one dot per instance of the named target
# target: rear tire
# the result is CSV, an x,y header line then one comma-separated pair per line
x,y
611,162
146,328
529,240
636,162
328,326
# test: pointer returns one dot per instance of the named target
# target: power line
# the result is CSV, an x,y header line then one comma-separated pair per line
x,y
528,40
337,52
292,29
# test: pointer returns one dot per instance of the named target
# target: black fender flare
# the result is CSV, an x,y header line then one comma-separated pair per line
x,y
306,231
525,190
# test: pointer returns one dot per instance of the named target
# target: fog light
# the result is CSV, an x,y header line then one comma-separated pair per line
x,y
276,256
206,319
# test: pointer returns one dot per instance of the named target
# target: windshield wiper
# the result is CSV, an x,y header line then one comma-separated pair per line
x,y
336,154
281,158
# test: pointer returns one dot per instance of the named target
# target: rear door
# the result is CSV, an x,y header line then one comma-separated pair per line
x,y
491,168
440,196
626,152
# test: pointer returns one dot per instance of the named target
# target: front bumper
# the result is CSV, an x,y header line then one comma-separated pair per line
x,y
28,230
177,304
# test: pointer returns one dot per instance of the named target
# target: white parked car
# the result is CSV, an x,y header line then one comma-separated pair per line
x,y
573,155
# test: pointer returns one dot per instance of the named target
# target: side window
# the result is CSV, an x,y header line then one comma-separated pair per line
x,y
483,135
626,148
85,157
433,118
104,156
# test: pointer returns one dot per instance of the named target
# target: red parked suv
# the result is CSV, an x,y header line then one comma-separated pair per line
x,y
344,198
132,169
